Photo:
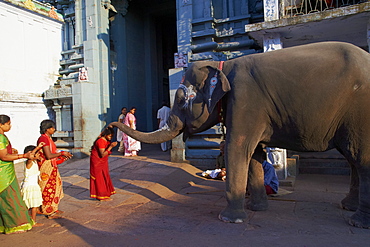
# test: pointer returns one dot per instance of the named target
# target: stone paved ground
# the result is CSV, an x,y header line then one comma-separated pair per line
x,y
159,203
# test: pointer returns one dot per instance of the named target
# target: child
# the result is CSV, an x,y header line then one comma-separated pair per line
x,y
30,189
101,186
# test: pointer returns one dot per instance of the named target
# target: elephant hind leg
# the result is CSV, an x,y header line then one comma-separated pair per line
x,y
351,201
361,218
359,195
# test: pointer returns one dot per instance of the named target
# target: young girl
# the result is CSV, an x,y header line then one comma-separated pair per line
x,y
30,189
101,186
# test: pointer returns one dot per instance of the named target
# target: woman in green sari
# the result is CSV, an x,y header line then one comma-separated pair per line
x,y
14,217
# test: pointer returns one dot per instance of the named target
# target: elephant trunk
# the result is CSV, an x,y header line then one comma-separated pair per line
x,y
172,128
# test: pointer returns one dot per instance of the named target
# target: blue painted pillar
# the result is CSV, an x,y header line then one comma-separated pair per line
x,y
91,97
184,29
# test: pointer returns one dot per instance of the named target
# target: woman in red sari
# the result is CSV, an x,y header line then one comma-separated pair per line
x,y
101,186
50,180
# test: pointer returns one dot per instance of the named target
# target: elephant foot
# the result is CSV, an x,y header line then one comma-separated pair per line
x,y
258,205
349,203
232,216
360,219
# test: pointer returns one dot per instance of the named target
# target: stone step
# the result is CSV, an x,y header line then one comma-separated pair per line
x,y
324,170
324,166
330,162
330,154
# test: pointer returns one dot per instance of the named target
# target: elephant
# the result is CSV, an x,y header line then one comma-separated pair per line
x,y
312,97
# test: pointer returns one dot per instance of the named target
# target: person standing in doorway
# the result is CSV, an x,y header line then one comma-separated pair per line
x,y
162,116
132,146
121,119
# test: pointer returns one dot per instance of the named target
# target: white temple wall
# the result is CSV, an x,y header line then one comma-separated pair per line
x,y
30,47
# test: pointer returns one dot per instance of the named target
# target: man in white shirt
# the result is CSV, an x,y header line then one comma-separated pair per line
x,y
162,116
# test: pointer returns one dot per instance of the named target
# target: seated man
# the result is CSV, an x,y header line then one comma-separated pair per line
x,y
220,160
270,177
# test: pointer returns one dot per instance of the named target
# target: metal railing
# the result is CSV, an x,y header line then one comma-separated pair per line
x,y
292,8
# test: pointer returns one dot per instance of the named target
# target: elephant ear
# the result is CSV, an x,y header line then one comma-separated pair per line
x,y
215,86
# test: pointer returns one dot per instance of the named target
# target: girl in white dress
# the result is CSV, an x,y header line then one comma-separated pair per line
x,y
30,189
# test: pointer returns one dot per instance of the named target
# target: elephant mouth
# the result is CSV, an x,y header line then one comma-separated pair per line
x,y
186,134
193,129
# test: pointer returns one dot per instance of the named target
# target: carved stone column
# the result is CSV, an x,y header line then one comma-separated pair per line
x,y
184,26
67,118
58,115
91,96
271,10
178,146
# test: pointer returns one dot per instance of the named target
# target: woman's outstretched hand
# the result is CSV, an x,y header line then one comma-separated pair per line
x,y
66,155
29,155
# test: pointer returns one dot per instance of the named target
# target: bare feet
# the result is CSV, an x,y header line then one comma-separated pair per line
x,y
38,224
106,200
53,216
17,232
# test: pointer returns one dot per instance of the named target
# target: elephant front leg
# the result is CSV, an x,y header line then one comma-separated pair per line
x,y
237,169
258,197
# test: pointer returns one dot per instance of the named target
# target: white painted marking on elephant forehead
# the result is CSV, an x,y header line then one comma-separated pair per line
x,y
190,94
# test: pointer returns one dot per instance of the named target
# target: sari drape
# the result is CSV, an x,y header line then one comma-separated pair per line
x,y
14,215
50,182
101,186
131,145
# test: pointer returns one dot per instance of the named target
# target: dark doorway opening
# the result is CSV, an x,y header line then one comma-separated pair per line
x,y
144,41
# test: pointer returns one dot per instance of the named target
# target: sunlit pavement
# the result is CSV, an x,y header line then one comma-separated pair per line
x,y
159,203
